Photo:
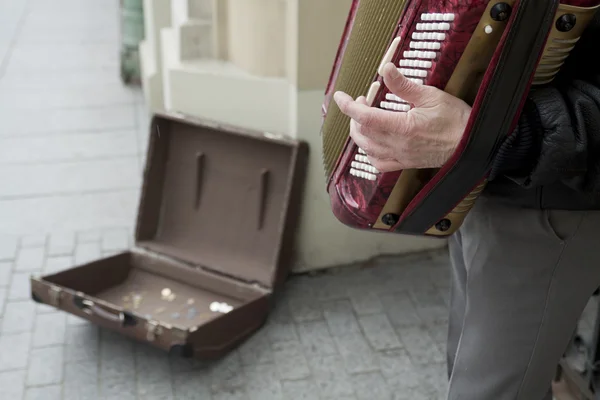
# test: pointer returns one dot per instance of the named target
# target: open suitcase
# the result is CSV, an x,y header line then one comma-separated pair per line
x,y
213,241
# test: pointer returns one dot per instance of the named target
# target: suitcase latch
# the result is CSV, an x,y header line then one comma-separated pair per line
x,y
54,293
153,329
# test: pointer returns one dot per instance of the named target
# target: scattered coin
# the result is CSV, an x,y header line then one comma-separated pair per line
x,y
165,293
220,307
190,301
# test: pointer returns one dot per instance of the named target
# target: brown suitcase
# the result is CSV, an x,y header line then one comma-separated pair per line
x,y
213,241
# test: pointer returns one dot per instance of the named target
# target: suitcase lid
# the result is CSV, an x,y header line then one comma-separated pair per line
x,y
221,198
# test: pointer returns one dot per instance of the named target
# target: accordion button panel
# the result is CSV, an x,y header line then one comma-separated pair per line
x,y
426,43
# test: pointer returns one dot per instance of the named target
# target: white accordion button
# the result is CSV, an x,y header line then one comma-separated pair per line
x,y
395,106
429,36
393,97
416,63
420,54
435,26
488,29
362,174
364,167
413,72
389,55
373,92
362,158
448,17
426,45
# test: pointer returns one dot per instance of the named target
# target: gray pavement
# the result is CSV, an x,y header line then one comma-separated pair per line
x,y
72,142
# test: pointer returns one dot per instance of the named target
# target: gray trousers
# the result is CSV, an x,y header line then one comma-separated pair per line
x,y
520,281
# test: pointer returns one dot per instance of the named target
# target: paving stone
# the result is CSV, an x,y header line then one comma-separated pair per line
x,y
117,387
371,386
74,320
53,392
82,343
30,259
429,304
20,286
256,350
12,384
300,390
357,354
316,339
91,236
439,333
2,301
331,378
81,381
61,244
281,332
151,364
18,317
116,356
366,302
46,366
5,272
58,264
155,390
34,241
14,351
400,309
340,318
290,361
398,370
379,332
8,247
87,252
420,346
226,374
115,240
50,329
234,394
191,386
262,382
304,309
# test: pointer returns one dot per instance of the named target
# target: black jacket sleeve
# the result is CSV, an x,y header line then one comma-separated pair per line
x,y
558,134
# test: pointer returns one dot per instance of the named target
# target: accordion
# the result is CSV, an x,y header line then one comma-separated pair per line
x,y
488,53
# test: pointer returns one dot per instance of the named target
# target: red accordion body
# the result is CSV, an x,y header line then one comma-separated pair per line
x,y
427,45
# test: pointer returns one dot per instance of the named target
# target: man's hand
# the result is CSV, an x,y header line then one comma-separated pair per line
x,y
424,137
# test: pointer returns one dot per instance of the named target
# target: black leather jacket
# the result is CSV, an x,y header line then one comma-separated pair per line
x,y
553,159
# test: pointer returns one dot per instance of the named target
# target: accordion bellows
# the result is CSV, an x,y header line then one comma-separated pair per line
x,y
489,53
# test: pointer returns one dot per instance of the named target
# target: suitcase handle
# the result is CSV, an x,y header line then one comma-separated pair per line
x,y
90,308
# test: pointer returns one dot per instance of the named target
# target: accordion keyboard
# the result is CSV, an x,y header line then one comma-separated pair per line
x,y
416,64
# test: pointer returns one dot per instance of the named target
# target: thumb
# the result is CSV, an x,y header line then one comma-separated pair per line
x,y
401,86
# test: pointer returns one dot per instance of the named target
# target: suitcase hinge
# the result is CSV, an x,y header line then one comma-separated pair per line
x,y
54,293
153,329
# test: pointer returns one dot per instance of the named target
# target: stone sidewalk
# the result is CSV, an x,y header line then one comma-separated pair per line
x,y
72,142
